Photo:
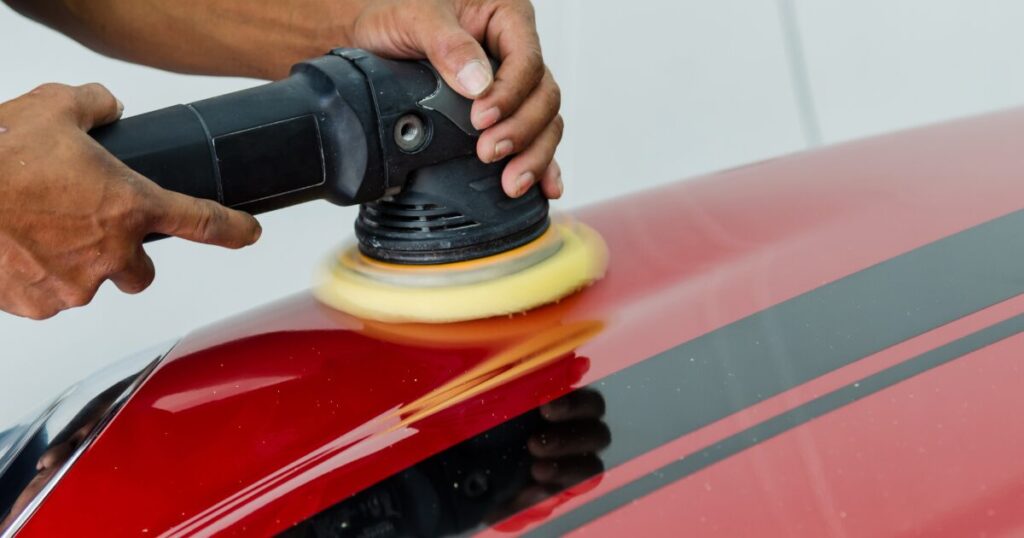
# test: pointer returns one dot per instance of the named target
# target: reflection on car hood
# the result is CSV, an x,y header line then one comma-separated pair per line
x,y
39,450
747,317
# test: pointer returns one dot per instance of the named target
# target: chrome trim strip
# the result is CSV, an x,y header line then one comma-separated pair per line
x,y
8,455
65,409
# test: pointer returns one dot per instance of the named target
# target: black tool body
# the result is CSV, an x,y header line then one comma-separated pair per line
x,y
351,128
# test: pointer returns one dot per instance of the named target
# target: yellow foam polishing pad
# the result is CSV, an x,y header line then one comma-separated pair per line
x,y
569,257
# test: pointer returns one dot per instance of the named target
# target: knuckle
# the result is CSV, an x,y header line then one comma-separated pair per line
x,y
60,95
50,88
36,313
135,205
101,91
98,88
460,47
526,81
75,300
23,310
533,68
457,45
559,125
74,296
521,139
526,8
535,57
203,224
520,8
533,75
554,95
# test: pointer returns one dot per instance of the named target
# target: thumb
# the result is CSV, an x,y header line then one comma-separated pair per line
x,y
457,56
205,221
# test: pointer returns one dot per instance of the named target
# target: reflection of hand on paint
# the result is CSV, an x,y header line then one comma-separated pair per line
x,y
47,466
56,455
566,447
565,451
546,455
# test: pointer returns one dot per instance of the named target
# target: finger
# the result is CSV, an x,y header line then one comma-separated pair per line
x,y
204,221
54,457
522,171
512,33
457,56
566,472
570,438
95,106
551,182
137,275
580,404
520,130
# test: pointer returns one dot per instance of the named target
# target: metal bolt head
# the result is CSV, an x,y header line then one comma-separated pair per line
x,y
410,133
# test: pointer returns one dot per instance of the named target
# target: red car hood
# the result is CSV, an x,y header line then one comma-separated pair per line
x,y
824,344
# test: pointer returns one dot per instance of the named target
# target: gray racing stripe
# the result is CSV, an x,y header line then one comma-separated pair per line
x,y
745,439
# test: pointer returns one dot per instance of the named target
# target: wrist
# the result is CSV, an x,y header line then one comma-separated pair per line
x,y
301,38
352,11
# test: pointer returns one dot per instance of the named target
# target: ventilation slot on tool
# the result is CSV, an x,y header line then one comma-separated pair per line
x,y
411,218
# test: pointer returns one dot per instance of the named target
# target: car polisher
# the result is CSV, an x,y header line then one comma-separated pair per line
x,y
437,238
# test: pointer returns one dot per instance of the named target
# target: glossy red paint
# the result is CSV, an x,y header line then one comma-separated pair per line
x,y
932,456
652,522
259,422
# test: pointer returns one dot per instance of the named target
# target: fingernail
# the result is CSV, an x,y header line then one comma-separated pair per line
x,y
120,107
487,118
502,149
561,186
475,77
3,130
523,182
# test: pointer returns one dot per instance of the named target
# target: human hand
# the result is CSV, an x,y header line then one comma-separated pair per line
x,y
565,454
516,108
72,216
566,448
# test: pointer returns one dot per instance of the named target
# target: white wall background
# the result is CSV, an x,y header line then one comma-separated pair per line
x,y
655,90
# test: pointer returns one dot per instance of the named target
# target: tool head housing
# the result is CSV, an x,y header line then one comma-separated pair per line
x,y
440,204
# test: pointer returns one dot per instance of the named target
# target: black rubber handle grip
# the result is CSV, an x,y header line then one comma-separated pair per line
x,y
255,150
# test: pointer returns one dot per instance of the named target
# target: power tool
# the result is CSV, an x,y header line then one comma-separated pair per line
x,y
354,128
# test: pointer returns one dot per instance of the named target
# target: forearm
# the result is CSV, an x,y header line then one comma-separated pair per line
x,y
516,108
254,38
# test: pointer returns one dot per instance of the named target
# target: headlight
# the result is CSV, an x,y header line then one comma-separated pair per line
x,y
38,451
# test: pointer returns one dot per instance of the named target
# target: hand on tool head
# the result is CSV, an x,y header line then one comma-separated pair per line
x,y
565,452
566,449
517,107
73,216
